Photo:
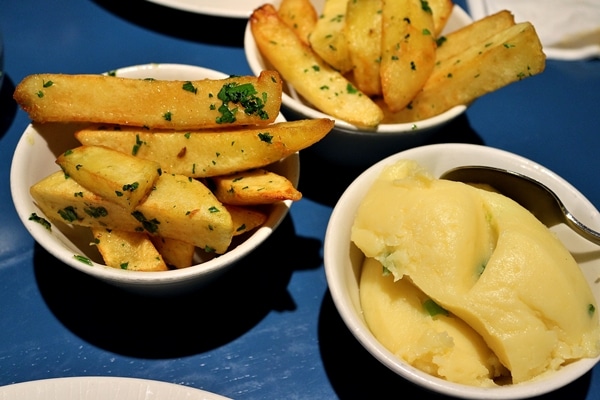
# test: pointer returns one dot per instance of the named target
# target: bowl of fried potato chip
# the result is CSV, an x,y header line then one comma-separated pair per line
x,y
390,74
156,185
406,272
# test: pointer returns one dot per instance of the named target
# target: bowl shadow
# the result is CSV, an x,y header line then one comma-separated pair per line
x,y
8,107
365,377
140,326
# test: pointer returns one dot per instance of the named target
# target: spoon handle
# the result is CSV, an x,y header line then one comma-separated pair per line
x,y
580,228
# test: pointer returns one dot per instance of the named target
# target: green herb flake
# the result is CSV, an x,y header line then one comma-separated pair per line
x,y
124,265
213,210
189,87
131,187
149,225
68,214
96,212
425,7
265,137
47,84
591,309
433,308
137,145
82,259
42,221
241,228
167,116
244,95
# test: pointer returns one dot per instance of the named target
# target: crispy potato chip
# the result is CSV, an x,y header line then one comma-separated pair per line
x,y
407,50
208,153
328,38
245,218
300,15
253,187
473,34
509,56
116,176
175,253
133,251
151,103
363,32
326,88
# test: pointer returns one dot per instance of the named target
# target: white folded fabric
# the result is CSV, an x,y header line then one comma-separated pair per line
x,y
568,29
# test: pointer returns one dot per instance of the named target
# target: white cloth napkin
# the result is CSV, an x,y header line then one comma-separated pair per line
x,y
568,29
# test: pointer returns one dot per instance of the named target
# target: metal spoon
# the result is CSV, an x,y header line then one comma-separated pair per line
x,y
528,192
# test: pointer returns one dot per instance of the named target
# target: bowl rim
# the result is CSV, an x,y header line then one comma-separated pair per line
x,y
446,155
24,204
256,64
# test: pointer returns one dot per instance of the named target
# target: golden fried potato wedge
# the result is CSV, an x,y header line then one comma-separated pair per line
x,y
116,176
158,104
132,251
245,218
407,50
441,11
320,84
471,35
300,15
328,38
209,153
363,32
253,187
63,199
183,208
175,253
509,56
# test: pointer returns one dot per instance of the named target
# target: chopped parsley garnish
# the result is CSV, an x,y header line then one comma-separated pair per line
x,y
213,209
265,137
149,225
68,214
188,86
591,309
433,308
82,259
130,187
167,116
42,221
96,212
137,145
244,95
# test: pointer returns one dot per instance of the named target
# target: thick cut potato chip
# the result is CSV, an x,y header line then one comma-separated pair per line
x,y
509,56
245,218
254,187
363,32
441,11
158,104
320,84
133,251
201,154
300,15
63,199
183,208
407,50
473,34
175,253
328,38
113,175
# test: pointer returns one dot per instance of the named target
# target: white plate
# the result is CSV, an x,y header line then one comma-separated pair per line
x,y
229,8
102,388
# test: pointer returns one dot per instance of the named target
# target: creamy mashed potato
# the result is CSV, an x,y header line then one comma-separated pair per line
x,y
507,295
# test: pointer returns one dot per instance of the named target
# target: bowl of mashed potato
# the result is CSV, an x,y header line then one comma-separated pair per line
x,y
459,289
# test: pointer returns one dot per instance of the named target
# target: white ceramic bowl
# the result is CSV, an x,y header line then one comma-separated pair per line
x,y
34,159
347,144
343,261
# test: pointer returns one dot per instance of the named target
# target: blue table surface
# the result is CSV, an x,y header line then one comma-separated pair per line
x,y
268,329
